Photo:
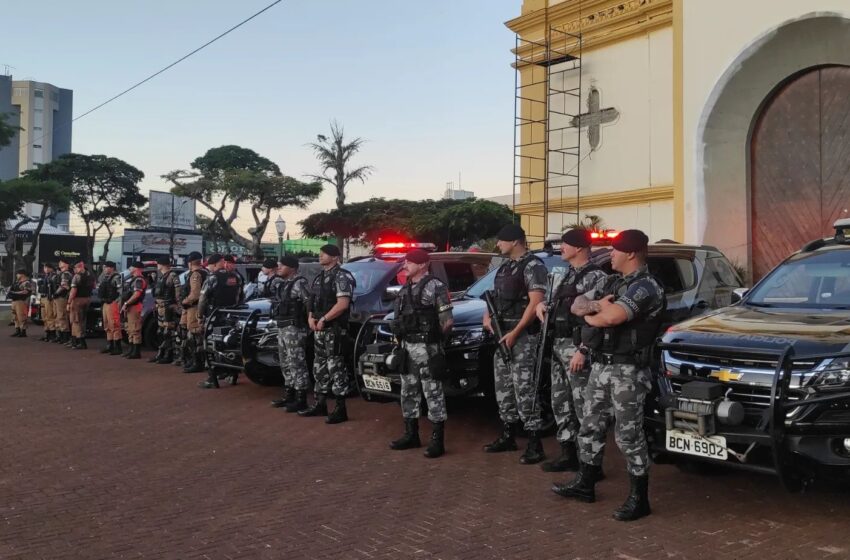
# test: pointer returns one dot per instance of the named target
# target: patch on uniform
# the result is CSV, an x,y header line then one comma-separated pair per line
x,y
640,294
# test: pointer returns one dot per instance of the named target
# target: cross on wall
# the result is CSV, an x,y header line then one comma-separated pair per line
x,y
594,118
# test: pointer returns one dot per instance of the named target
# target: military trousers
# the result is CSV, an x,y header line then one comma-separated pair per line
x,y
568,390
134,323
515,385
112,320
193,321
291,346
79,308
329,369
619,390
48,314
417,381
60,314
19,313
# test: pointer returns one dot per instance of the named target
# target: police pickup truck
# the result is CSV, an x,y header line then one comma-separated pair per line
x,y
764,384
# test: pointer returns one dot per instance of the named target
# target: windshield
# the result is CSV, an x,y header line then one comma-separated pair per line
x,y
486,282
370,274
814,280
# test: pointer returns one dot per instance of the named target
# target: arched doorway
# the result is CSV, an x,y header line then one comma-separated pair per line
x,y
800,164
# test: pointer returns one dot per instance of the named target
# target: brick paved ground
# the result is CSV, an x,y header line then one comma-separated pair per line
x,y
105,458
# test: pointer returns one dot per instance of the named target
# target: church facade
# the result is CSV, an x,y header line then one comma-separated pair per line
x,y
715,122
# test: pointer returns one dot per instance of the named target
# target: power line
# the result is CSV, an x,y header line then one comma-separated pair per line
x,y
157,73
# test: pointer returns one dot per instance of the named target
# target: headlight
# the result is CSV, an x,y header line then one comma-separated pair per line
x,y
465,338
836,373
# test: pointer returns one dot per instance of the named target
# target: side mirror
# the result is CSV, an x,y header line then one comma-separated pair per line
x,y
391,293
738,294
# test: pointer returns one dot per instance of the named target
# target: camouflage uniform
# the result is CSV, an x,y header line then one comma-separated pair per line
x,y
568,388
516,391
418,379
619,389
292,332
329,369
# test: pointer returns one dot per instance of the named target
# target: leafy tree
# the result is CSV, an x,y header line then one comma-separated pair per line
x,y
591,222
51,195
227,179
7,131
104,191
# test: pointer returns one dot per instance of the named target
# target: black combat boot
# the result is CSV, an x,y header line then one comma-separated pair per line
x,y
167,357
583,486
116,348
198,364
46,337
23,333
568,460
319,408
59,338
110,344
233,378
81,344
637,504
71,342
160,352
299,403
505,442
135,352
16,334
410,439
437,446
287,397
339,414
533,450
211,382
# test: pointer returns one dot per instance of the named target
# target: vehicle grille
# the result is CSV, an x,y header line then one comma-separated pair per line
x,y
739,363
754,398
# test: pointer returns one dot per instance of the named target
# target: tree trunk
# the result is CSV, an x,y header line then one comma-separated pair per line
x,y
103,256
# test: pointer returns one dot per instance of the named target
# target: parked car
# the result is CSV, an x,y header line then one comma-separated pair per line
x,y
251,337
688,273
764,384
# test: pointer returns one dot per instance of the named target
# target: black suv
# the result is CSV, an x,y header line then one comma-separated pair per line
x,y
764,384
696,279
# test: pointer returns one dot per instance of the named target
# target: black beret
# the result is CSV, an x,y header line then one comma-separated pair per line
x,y
164,260
22,271
214,258
80,260
194,256
229,258
65,260
577,238
270,263
330,250
109,264
630,241
418,256
50,265
291,262
137,264
511,232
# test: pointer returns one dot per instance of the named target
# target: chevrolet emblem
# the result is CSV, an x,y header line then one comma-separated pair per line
x,y
725,375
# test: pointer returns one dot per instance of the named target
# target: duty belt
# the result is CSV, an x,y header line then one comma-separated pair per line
x,y
613,359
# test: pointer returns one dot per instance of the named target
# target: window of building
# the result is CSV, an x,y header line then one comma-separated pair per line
x,y
19,92
36,146
38,93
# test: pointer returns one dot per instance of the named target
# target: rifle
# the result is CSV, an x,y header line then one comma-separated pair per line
x,y
503,349
554,281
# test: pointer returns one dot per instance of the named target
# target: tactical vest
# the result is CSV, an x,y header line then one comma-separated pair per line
x,y
511,291
128,290
565,321
414,317
226,290
187,286
324,298
67,276
84,284
288,309
107,290
44,289
632,337
53,283
165,292
18,286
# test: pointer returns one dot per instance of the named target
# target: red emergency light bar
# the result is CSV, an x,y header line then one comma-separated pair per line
x,y
608,234
399,245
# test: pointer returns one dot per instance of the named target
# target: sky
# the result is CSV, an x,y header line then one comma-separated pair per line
x,y
428,84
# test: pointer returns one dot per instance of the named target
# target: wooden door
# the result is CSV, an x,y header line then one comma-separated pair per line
x,y
800,165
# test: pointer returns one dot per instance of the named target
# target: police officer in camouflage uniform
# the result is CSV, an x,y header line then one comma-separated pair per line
x,y
423,316
290,297
332,293
570,360
167,306
628,318
222,289
109,292
45,290
62,287
192,347
82,284
20,292
132,301
268,279
520,285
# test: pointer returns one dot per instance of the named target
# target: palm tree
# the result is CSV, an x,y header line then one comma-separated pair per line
x,y
334,156
590,221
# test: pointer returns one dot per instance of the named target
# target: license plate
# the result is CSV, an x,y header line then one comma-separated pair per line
x,y
712,447
377,383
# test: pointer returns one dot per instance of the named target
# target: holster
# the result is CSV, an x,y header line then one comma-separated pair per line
x,y
438,366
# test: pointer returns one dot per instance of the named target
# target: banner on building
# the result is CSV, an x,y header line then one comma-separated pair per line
x,y
52,247
142,242
167,209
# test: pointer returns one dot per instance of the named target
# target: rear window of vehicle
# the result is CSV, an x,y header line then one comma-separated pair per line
x,y
370,274
676,274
